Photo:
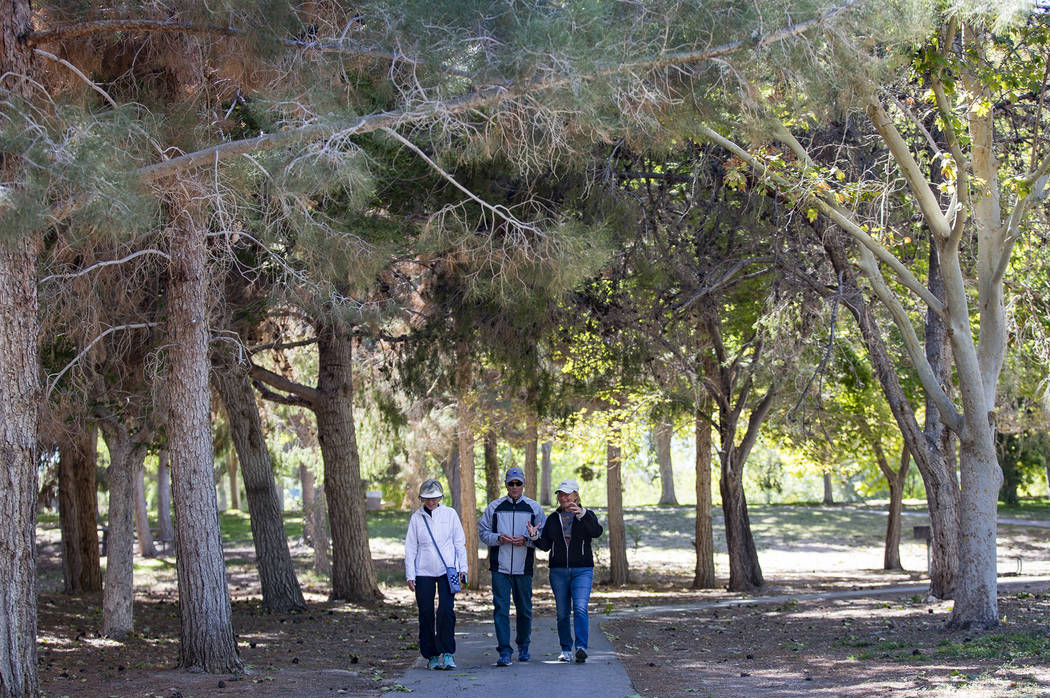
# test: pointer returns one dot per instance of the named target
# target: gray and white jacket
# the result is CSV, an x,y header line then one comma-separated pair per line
x,y
509,517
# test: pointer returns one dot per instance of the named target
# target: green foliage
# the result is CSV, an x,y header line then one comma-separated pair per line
x,y
1023,458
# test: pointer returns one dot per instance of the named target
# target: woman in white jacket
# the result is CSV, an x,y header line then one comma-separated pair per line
x,y
426,572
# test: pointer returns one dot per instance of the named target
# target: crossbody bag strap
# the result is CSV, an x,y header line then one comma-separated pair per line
x,y
436,547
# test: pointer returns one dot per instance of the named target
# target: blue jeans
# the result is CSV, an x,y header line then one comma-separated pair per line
x,y
572,591
433,643
503,587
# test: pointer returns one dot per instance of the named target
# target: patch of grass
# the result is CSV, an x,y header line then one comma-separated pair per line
x,y
997,646
1027,509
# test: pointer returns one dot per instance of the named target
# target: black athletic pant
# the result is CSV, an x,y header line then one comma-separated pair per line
x,y
431,642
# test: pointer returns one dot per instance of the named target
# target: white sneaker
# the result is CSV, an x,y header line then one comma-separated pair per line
x,y
565,656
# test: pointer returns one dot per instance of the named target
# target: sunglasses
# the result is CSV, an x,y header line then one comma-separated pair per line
x,y
515,483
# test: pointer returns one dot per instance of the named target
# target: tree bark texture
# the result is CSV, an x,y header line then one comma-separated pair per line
x,y
619,572
662,433
231,474
730,388
928,446
126,453
19,393
165,531
317,510
891,559
78,512
280,588
938,468
206,637
468,506
306,484
145,535
532,471
745,573
19,396
492,483
705,537
545,476
450,467
829,493
353,573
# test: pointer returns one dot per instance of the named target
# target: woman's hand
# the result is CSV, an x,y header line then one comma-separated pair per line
x,y
534,531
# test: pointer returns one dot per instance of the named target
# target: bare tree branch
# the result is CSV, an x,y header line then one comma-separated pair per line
x,y
106,263
53,380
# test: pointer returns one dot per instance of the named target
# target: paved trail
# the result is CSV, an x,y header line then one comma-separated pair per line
x,y
477,674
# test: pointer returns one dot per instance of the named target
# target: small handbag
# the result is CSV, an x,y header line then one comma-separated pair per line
x,y
451,572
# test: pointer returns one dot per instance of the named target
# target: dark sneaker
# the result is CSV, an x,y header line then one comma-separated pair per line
x,y
523,654
581,655
504,659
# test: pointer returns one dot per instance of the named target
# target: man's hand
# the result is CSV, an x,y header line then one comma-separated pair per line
x,y
412,584
504,539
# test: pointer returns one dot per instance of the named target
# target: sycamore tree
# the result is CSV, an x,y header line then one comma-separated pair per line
x,y
974,75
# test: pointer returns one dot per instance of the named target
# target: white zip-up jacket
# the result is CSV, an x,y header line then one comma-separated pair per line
x,y
421,557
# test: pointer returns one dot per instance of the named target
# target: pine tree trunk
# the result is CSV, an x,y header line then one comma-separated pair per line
x,y
118,594
206,638
306,484
492,483
231,474
19,392
532,471
619,572
146,548
450,467
317,511
165,531
468,509
280,588
353,573
829,493
705,537
78,513
662,436
745,574
323,535
545,477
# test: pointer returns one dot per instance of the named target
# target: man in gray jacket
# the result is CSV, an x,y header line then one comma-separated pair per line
x,y
502,530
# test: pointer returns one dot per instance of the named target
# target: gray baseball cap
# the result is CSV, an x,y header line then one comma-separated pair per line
x,y
430,489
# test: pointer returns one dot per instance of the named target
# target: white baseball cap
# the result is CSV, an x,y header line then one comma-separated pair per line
x,y
568,486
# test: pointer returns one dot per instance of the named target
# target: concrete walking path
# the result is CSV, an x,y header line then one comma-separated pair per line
x,y
476,673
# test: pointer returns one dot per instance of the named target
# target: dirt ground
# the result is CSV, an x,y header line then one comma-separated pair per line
x,y
865,646
857,647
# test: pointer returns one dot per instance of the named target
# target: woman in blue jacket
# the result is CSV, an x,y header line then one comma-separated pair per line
x,y
567,534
